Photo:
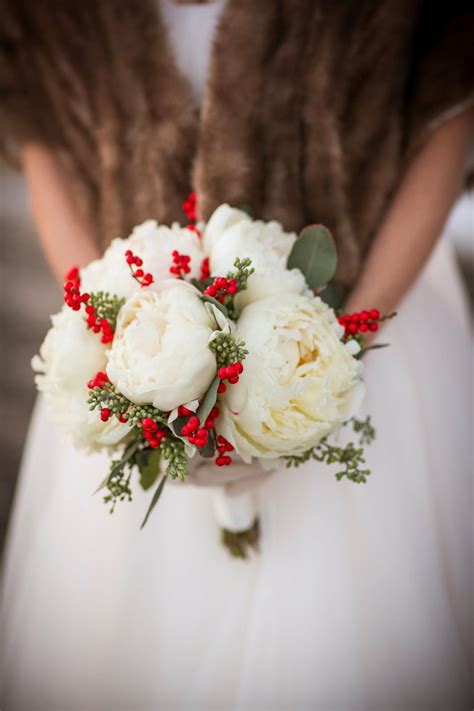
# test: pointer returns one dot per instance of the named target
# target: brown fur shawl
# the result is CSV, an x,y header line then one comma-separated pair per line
x,y
312,107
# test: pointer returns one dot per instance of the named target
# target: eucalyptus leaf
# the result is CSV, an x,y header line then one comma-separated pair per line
x,y
209,449
177,425
333,295
247,209
155,498
217,304
314,254
149,466
208,401
129,452
202,284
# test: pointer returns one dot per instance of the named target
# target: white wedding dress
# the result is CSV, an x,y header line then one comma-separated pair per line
x,y
359,600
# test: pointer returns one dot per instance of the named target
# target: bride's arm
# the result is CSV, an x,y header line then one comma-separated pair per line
x,y
63,232
416,216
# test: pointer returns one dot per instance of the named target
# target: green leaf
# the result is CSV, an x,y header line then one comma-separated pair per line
x,y
126,457
333,295
208,401
212,300
149,466
314,253
210,449
247,209
177,425
202,284
154,500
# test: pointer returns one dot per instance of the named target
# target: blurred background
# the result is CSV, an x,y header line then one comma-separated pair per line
x,y
29,295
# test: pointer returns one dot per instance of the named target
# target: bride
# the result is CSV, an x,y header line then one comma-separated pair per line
x,y
357,115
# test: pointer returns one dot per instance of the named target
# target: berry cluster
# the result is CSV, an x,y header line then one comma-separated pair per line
x,y
190,210
221,288
190,207
205,269
135,264
74,299
152,432
99,325
106,413
223,446
98,381
180,265
196,433
72,293
230,373
360,322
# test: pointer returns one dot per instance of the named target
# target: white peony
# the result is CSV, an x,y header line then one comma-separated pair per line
x,y
160,354
151,242
299,381
69,357
231,233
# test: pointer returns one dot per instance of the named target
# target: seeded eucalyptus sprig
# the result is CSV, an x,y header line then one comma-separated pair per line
x,y
118,487
172,450
106,306
364,429
243,270
350,457
107,396
228,350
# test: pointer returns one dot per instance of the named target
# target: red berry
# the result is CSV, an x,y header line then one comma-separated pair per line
x,y
233,379
374,326
374,314
104,414
363,327
193,422
364,315
221,388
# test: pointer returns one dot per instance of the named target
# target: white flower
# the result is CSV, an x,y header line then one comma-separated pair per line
x,y
151,242
299,382
231,233
69,357
160,354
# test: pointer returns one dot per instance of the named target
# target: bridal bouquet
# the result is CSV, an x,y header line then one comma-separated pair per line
x,y
207,343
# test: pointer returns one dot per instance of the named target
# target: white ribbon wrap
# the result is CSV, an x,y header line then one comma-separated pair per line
x,y
235,512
